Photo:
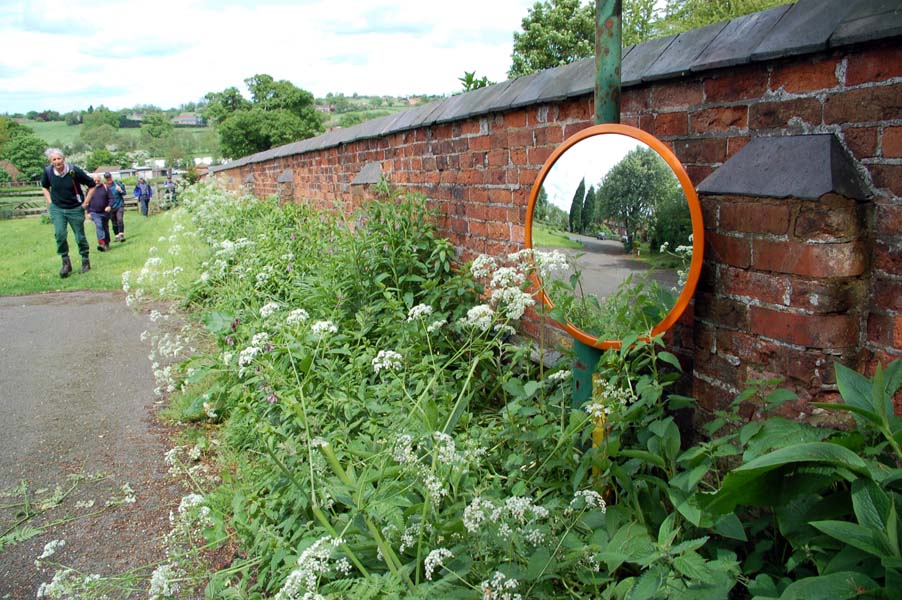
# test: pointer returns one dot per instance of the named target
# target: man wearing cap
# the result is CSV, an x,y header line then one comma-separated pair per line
x,y
99,211
117,205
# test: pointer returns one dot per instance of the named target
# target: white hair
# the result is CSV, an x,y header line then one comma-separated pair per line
x,y
50,151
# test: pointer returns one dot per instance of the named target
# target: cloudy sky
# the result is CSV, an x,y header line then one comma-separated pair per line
x,y
67,55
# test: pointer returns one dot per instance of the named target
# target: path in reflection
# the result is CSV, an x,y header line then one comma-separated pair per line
x,y
604,266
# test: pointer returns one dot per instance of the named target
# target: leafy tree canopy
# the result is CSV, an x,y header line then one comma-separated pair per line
x,y
278,113
221,104
250,131
101,116
26,152
555,32
683,15
559,32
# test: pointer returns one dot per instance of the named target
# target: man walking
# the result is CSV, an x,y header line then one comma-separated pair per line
x,y
99,211
61,183
143,192
117,205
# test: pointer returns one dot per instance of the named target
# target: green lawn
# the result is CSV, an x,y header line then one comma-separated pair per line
x,y
543,237
29,262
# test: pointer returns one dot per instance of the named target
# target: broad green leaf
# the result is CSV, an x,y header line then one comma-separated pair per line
x,y
670,359
514,387
778,397
531,387
871,504
731,527
807,452
667,532
854,387
756,483
218,322
778,432
863,538
864,413
644,456
538,563
836,586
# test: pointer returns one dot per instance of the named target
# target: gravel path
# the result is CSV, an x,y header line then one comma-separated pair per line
x,y
77,411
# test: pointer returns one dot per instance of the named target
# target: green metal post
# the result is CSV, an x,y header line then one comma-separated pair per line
x,y
608,36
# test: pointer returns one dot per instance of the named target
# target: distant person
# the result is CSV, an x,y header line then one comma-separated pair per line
x,y
62,186
117,206
143,193
99,211
170,190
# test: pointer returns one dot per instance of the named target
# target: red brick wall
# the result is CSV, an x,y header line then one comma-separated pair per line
x,y
755,313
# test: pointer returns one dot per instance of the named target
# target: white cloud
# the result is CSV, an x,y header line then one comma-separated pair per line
x,y
68,55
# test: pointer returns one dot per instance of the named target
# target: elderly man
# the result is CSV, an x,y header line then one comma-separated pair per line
x,y
61,183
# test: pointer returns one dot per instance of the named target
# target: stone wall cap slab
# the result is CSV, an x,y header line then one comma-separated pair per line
x,y
678,58
735,42
798,166
637,62
805,27
873,20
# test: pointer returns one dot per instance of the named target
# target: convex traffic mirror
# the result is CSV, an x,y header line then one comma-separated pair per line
x,y
618,203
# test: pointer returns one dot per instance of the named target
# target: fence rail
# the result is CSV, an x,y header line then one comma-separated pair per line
x,y
33,208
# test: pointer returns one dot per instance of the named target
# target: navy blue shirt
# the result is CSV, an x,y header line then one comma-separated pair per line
x,y
101,199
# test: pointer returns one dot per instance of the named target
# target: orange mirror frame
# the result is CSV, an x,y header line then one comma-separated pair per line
x,y
695,211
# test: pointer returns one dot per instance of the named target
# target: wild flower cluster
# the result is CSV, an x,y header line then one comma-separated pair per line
x,y
386,438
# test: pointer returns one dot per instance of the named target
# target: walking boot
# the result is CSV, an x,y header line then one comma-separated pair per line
x,y
66,268
85,265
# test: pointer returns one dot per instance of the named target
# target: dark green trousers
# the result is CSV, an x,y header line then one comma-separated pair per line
x,y
62,219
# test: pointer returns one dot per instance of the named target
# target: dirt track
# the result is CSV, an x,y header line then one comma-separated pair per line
x,y
76,399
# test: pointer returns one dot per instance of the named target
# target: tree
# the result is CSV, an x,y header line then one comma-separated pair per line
x,y
222,104
99,137
156,126
26,152
588,212
100,116
631,189
555,32
639,21
683,15
279,113
99,157
576,207
558,32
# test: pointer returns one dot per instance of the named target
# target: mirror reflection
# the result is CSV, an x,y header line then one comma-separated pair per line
x,y
616,208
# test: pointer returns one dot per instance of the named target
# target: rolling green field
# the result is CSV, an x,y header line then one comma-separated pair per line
x,y
57,132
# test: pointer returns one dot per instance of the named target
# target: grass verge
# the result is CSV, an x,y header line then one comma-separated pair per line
x,y
30,264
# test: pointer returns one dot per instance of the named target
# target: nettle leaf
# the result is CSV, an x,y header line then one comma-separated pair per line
x,y
731,527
